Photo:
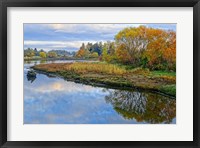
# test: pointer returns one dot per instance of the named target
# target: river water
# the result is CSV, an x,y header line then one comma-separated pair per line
x,y
53,100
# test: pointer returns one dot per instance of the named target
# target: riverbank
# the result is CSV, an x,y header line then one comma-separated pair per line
x,y
113,75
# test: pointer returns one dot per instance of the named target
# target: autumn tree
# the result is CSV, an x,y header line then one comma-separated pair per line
x,y
83,52
80,53
136,46
147,47
122,55
43,54
161,50
132,41
169,53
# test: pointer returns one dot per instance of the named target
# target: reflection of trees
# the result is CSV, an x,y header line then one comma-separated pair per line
x,y
27,62
127,101
42,61
144,107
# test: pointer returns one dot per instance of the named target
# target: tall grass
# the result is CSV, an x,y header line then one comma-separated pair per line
x,y
83,68
103,68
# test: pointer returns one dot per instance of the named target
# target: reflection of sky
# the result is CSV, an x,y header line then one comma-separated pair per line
x,y
53,100
71,36
56,101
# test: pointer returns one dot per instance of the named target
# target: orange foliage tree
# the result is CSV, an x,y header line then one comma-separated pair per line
x,y
80,53
83,53
147,47
122,55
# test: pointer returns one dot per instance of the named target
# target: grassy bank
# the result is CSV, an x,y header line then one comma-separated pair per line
x,y
113,75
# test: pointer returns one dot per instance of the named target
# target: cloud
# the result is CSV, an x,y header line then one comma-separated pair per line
x,y
48,45
89,28
69,28
163,26
101,28
61,86
71,36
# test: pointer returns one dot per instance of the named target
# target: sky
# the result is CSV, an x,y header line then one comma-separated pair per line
x,y
71,36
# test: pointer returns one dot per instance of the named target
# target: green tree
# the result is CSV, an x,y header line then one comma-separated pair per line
x,y
29,52
94,55
108,52
105,53
52,54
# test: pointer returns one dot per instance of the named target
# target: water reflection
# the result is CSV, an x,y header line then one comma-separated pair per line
x,y
52,100
144,107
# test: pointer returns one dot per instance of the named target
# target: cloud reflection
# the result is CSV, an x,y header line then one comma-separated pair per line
x,y
56,101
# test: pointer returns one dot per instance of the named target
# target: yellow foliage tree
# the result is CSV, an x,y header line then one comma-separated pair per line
x,y
43,54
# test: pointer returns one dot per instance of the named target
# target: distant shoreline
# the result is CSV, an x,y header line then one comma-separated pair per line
x,y
59,58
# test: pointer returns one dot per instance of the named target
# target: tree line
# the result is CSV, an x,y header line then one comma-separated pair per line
x,y
90,50
30,53
136,46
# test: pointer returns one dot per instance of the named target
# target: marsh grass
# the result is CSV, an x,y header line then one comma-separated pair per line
x,y
96,68
113,75
84,68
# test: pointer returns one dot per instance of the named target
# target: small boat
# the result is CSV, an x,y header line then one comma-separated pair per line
x,y
31,73
31,76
